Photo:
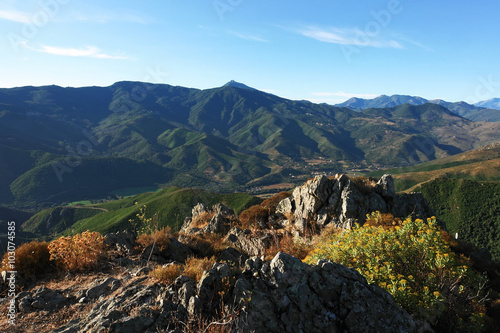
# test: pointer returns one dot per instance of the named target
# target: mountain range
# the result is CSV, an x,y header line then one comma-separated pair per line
x,y
59,145
481,111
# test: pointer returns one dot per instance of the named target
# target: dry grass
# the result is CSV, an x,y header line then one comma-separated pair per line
x,y
201,220
167,274
365,185
377,219
297,247
78,253
194,267
205,244
31,260
259,214
160,237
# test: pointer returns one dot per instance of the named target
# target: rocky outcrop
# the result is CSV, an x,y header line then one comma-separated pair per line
x,y
281,295
341,201
42,298
251,243
217,219
121,241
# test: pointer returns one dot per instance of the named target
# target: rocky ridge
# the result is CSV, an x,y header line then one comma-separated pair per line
x,y
243,292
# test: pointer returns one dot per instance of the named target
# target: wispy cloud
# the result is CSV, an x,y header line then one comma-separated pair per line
x,y
14,16
347,36
88,52
252,38
102,15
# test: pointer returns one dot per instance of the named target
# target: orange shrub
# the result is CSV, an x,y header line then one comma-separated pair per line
x,y
31,259
251,216
376,219
205,244
160,237
299,248
81,252
167,274
202,220
194,267
272,203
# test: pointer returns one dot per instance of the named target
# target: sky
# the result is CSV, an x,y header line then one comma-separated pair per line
x,y
322,51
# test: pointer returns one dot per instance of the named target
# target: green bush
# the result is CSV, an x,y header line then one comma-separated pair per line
x,y
413,261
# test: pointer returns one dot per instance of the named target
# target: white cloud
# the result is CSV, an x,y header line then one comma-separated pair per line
x,y
89,52
249,37
347,36
14,16
103,15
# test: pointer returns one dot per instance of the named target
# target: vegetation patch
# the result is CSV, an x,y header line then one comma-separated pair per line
x,y
414,263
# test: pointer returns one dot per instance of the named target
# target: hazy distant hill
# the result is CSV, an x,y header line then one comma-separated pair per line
x,y
493,103
382,101
477,112
66,144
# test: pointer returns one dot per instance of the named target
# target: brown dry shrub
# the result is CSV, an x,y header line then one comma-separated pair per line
x,y
365,185
299,248
78,253
160,237
272,203
201,220
194,267
205,245
31,260
386,220
167,274
250,217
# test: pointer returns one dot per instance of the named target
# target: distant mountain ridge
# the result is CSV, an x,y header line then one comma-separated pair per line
x,y
482,111
67,144
493,103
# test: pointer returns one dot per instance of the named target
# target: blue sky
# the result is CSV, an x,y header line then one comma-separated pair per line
x,y
323,51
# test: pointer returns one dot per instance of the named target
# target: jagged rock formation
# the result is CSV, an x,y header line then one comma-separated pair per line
x,y
281,295
242,289
217,220
343,202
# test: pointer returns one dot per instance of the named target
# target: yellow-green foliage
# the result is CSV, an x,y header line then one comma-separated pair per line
x,y
31,259
78,253
413,262
143,224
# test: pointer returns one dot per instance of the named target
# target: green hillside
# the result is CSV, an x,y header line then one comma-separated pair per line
x,y
481,164
221,139
469,208
172,206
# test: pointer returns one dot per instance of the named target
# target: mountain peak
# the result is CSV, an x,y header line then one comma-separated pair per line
x,y
235,84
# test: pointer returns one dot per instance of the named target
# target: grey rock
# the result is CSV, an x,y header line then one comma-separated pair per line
x,y
177,251
42,298
385,187
339,201
122,241
251,245
232,256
